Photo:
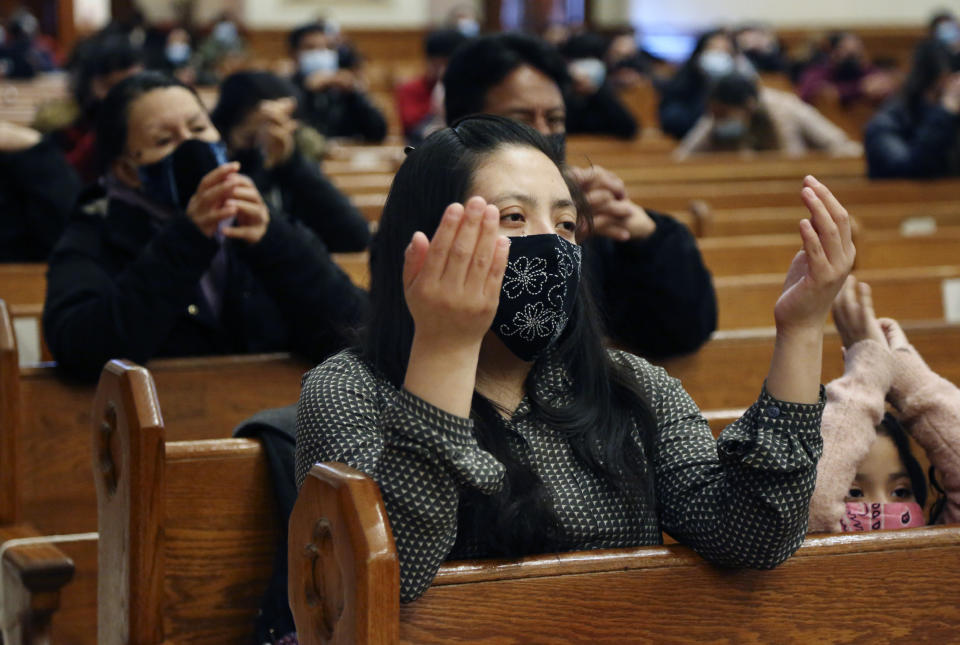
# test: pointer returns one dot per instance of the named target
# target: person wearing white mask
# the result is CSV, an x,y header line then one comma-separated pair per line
x,y
683,98
335,100
743,116
945,29
593,106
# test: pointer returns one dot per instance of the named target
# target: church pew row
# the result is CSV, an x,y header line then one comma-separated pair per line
x,y
855,193
44,451
751,254
728,371
907,294
908,218
661,171
344,586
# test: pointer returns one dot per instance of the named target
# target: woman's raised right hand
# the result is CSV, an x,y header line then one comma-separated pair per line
x,y
452,282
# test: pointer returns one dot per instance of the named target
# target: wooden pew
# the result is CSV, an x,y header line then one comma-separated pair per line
x,y
750,254
908,218
344,586
661,171
188,529
728,371
908,294
23,283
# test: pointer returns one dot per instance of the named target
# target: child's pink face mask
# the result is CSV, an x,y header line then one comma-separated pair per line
x,y
861,516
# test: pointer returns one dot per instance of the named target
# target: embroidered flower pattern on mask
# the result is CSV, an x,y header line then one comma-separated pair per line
x,y
524,274
530,276
534,321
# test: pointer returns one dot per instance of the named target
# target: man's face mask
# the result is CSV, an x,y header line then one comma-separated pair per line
x,y
538,293
318,60
173,180
861,516
178,53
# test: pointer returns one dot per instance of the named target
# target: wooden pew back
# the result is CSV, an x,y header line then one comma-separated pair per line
x,y
188,529
611,596
728,371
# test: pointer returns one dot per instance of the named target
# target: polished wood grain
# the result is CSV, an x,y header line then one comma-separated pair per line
x,y
32,576
344,575
907,294
194,523
9,418
655,594
20,284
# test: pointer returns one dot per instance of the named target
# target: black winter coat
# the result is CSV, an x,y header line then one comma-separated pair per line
x,y
922,143
656,295
38,189
121,286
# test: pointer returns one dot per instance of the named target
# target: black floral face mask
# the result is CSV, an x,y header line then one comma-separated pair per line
x,y
538,293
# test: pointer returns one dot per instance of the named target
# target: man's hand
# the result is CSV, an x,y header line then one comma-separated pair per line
x,y
614,215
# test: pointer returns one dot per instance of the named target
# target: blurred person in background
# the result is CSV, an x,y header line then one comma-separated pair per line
x,y
223,51
743,116
762,48
683,98
23,53
96,65
37,193
917,132
627,64
256,115
593,106
847,72
420,100
334,94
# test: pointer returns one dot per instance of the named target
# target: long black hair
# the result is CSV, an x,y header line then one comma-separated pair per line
x,y
890,427
931,61
604,408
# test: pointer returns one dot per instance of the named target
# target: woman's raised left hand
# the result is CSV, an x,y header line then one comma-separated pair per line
x,y
820,269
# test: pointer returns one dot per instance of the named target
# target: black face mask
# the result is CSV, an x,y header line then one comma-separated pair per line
x,y
848,69
173,180
538,293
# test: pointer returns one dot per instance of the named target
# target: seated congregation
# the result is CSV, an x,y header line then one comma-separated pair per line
x,y
337,344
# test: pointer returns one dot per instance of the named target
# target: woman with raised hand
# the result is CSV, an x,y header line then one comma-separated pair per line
x,y
155,263
484,404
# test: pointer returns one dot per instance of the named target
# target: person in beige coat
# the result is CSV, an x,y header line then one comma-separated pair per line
x,y
746,117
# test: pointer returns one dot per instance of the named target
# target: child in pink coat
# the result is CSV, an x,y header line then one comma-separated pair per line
x,y
863,477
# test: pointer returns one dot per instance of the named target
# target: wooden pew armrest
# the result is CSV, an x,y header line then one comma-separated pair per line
x,y
33,574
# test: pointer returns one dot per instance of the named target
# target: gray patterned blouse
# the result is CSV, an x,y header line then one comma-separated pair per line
x,y
740,500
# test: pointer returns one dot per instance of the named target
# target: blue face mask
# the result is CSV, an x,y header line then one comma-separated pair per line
x,y
226,33
948,32
178,53
172,181
729,130
318,60
715,63
538,293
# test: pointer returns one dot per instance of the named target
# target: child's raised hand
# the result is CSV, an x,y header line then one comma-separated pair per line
x,y
452,282
854,316
894,336
819,270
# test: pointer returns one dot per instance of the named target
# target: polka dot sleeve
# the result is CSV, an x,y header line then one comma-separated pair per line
x,y
419,456
740,500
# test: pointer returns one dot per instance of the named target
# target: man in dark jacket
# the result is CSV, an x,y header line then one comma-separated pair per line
x,y
37,191
654,290
334,98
